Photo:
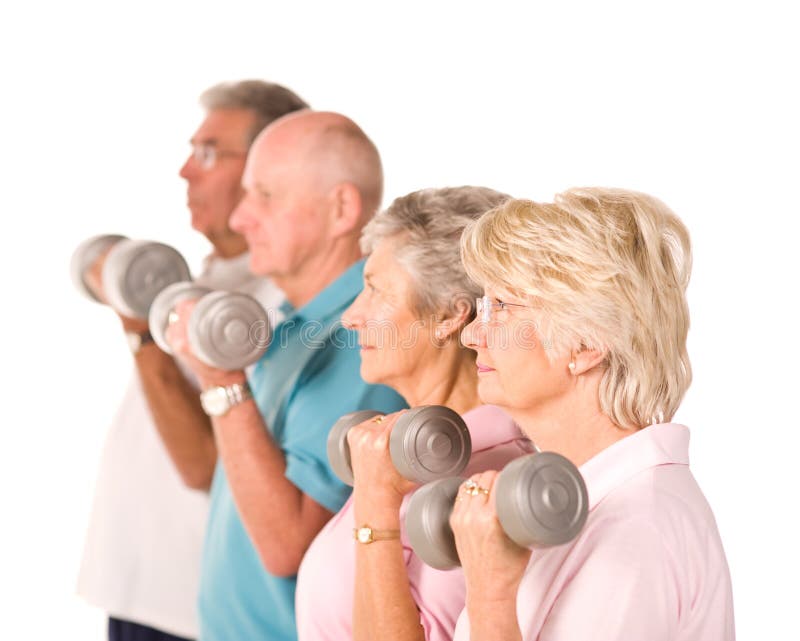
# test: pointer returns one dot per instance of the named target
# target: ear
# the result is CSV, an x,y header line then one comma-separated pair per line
x,y
345,209
454,321
586,359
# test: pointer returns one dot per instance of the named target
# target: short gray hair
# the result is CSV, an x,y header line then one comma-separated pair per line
x,y
429,223
267,100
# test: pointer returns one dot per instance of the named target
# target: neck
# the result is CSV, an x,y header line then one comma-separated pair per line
x,y
574,425
316,274
449,378
228,245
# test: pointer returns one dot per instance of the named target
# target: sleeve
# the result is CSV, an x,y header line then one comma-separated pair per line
x,y
625,588
331,386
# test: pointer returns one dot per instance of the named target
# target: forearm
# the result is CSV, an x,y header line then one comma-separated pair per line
x,y
280,520
180,420
383,604
492,619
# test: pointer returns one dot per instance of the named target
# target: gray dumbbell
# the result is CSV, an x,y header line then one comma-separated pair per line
x,y
229,330
541,501
85,255
134,272
426,443
164,304
226,330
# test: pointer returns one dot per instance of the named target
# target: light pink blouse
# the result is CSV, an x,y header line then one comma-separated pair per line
x,y
648,565
325,583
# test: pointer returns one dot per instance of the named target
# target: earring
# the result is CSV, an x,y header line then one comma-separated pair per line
x,y
572,367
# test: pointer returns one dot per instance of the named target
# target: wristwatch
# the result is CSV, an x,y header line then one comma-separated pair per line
x,y
366,535
137,339
217,401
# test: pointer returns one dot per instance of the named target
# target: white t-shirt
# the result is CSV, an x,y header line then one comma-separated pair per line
x,y
141,559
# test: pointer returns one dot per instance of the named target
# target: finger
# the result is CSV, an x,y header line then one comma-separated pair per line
x,y
385,426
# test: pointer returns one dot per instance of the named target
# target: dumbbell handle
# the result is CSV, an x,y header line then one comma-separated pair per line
x,y
227,330
426,443
541,500
134,271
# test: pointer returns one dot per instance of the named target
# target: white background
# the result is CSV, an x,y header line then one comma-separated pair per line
x,y
695,103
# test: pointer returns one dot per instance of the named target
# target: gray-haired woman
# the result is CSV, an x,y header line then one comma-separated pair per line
x,y
415,302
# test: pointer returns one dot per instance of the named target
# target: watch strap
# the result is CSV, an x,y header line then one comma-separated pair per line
x,y
366,535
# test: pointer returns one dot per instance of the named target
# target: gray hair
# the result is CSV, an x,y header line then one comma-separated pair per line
x,y
267,100
430,223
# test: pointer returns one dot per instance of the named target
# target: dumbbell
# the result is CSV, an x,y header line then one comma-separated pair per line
x,y
134,272
227,330
541,501
426,443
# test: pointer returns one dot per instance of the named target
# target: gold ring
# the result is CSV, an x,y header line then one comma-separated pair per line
x,y
473,489
173,318
378,419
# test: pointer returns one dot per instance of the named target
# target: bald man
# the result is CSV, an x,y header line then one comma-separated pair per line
x,y
312,181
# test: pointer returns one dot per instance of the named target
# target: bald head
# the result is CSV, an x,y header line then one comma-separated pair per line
x,y
332,150
312,181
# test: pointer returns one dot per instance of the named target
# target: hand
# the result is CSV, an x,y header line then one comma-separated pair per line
x,y
379,489
94,281
178,338
493,564
93,277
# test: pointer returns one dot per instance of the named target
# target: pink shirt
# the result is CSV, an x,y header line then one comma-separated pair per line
x,y
325,582
648,565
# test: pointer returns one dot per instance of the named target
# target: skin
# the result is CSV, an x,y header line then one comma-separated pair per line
x,y
429,368
212,195
301,213
302,230
558,408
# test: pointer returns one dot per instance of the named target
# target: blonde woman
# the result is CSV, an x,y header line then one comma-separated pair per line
x,y
592,290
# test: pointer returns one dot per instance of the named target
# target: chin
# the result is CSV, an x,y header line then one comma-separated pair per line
x,y
259,267
367,374
371,372
489,393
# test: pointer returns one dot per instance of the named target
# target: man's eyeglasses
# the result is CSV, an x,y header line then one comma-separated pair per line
x,y
206,154
485,308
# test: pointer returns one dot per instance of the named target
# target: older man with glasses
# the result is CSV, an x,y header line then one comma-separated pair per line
x,y
141,561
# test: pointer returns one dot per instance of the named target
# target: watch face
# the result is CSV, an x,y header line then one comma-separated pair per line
x,y
364,535
215,401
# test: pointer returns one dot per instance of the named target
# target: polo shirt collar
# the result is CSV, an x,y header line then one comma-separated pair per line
x,y
333,298
662,444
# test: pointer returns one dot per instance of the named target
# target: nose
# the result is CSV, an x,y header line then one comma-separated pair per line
x,y
189,168
353,316
238,220
473,336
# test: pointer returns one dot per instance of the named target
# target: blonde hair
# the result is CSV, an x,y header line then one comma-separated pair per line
x,y
606,269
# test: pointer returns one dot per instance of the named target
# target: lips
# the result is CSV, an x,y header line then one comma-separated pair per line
x,y
484,368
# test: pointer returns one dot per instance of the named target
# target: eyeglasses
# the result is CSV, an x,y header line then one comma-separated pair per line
x,y
206,154
485,308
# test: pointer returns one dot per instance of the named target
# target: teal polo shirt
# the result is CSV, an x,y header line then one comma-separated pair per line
x,y
308,378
